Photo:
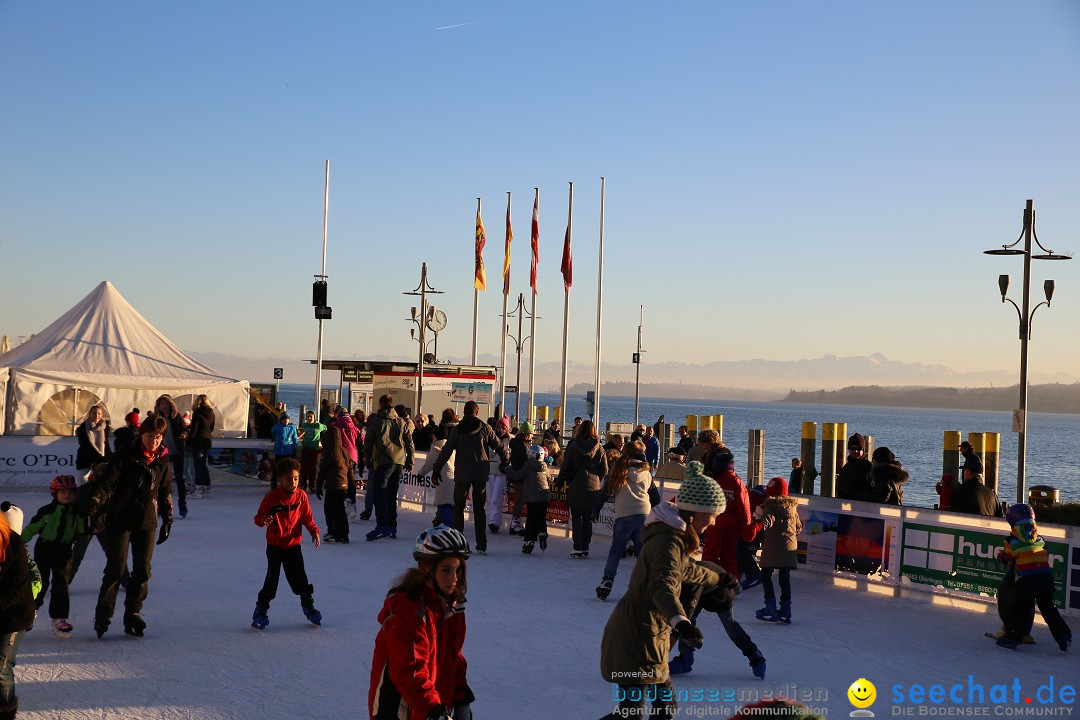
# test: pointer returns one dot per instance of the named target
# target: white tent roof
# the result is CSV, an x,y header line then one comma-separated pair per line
x,y
104,341
104,346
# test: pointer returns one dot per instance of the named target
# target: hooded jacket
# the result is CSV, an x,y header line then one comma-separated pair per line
x,y
418,663
471,439
782,524
16,597
334,463
584,467
633,497
387,440
201,431
637,638
55,523
349,433
887,482
1025,550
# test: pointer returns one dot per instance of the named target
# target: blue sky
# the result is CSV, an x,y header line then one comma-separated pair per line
x,y
785,180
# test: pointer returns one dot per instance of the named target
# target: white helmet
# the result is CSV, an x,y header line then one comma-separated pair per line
x,y
441,541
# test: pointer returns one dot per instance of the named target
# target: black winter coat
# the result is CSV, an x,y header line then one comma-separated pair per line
x,y
974,498
16,597
201,431
130,494
851,482
887,483
584,466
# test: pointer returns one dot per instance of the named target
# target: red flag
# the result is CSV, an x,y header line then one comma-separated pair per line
x,y
480,277
506,257
535,241
567,262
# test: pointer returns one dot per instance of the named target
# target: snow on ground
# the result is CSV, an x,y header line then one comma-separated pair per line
x,y
534,629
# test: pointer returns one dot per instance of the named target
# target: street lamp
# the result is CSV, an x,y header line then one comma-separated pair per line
x,y
420,318
1025,316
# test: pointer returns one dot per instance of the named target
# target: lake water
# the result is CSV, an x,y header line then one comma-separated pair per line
x,y
913,434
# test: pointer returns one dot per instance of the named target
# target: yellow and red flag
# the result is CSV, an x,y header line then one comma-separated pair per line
x,y
480,282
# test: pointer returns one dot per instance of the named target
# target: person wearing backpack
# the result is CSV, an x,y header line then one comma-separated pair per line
x,y
388,448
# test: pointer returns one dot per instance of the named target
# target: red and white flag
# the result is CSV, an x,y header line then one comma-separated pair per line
x,y
567,261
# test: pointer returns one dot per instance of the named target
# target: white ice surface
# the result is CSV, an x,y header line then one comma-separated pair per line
x,y
533,645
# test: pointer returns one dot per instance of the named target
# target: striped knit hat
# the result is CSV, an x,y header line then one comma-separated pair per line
x,y
699,493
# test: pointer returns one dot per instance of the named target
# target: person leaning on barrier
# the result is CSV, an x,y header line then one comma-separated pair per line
x,y
686,443
853,481
973,497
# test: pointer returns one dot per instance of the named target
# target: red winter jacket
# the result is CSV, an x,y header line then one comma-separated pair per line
x,y
418,662
285,528
720,540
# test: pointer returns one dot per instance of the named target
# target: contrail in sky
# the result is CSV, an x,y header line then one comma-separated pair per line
x,y
447,27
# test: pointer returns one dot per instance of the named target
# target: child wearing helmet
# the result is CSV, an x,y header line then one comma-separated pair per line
x,y
57,525
418,670
535,486
1024,552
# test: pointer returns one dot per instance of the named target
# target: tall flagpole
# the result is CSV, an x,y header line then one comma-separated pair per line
x,y
532,344
599,309
475,299
322,277
503,328
566,309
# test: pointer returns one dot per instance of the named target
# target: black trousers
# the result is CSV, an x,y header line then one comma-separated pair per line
x,y
581,529
479,500
1027,592
54,562
717,599
117,544
292,560
337,522
535,520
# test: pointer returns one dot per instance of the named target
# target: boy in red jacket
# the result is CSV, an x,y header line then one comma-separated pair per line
x,y
284,513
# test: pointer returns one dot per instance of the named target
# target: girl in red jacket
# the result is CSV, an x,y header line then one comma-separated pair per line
x,y
418,671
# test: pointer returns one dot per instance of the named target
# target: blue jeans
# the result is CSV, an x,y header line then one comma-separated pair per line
x,y
626,529
446,514
785,584
202,473
385,478
7,665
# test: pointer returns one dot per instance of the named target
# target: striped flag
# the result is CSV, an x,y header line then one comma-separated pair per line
x,y
480,282
567,262
535,241
506,257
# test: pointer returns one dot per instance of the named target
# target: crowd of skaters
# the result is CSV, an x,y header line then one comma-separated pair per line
x,y
710,532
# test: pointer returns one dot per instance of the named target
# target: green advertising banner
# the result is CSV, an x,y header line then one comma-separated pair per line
x,y
966,559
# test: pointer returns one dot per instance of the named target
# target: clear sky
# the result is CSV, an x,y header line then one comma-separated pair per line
x,y
784,179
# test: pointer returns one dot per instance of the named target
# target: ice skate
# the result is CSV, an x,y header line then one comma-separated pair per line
x,y
134,625
757,666
768,613
259,619
682,663
527,547
784,614
313,615
61,628
542,539
604,588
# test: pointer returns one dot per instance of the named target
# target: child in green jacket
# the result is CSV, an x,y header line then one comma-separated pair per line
x,y
57,525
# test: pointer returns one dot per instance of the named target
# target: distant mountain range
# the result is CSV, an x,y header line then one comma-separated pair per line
x,y
1052,398
731,379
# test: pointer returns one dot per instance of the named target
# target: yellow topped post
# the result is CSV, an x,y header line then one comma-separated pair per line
x,y
808,453
718,425
692,424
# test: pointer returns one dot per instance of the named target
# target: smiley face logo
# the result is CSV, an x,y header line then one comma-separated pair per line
x,y
862,693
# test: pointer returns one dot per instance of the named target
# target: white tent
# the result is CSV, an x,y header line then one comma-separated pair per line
x,y
104,351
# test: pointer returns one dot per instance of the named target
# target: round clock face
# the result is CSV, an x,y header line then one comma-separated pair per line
x,y
436,320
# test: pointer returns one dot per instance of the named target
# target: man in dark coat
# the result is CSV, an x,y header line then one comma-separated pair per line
x,y
388,449
851,481
471,439
973,497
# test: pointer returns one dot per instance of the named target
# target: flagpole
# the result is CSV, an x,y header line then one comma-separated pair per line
x,y
532,343
322,277
502,329
475,300
599,309
566,309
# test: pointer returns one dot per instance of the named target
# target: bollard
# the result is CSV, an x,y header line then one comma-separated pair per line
x,y
869,446
667,440
706,422
692,425
1042,496
977,447
808,454
828,458
841,448
718,425
950,469
755,461
542,413
557,413
991,454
